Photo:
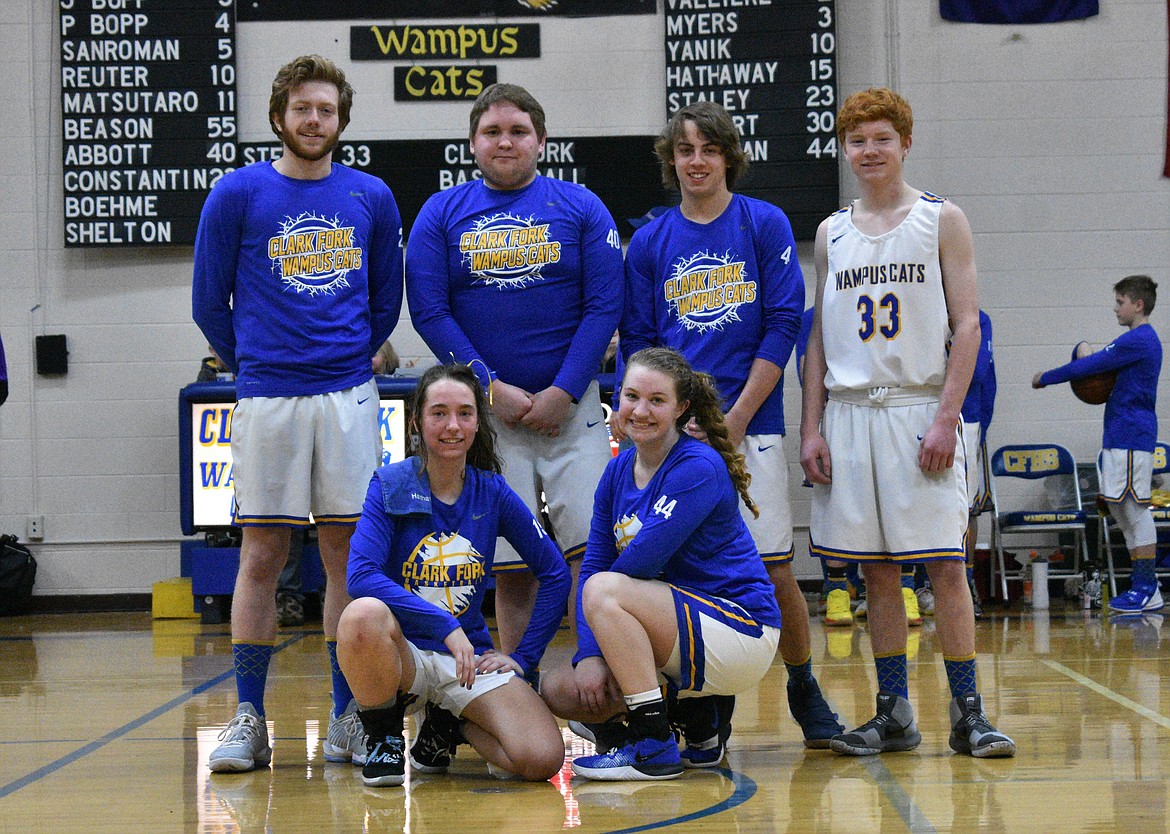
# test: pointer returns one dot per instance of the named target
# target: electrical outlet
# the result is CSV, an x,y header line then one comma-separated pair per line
x,y
35,527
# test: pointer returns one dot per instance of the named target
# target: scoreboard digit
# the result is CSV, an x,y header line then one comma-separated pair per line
x,y
772,64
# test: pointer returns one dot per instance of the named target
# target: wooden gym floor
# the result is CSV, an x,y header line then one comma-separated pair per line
x,y
108,721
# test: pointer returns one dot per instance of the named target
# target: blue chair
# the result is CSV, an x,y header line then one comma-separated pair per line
x,y
1039,527
1161,515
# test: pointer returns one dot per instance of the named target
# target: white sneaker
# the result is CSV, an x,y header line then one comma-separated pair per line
x,y
925,601
244,743
346,739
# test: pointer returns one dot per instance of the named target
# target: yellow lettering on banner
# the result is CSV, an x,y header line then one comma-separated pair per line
x,y
446,41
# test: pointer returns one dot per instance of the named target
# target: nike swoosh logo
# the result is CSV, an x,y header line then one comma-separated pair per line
x,y
360,402
639,758
919,437
591,425
477,517
764,448
838,237
357,194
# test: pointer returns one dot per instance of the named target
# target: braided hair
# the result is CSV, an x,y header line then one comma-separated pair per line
x,y
699,390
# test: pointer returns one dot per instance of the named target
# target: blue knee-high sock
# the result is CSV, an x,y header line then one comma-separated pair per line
x,y
1143,573
341,692
891,673
908,572
961,675
250,661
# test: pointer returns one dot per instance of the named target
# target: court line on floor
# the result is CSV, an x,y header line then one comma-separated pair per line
x,y
910,813
1089,683
916,821
114,735
745,789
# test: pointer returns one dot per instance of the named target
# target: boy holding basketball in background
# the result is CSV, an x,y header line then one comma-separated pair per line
x,y
1131,431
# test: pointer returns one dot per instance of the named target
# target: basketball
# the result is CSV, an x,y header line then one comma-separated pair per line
x,y
1094,389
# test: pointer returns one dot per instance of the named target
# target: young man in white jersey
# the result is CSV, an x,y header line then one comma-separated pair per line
x,y
879,429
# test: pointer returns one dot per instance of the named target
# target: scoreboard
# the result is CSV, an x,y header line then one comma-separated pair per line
x,y
148,92
150,123
772,65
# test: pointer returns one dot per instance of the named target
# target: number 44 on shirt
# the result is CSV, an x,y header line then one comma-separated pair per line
x,y
663,507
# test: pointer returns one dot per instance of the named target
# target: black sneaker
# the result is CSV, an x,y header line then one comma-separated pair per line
x,y
972,733
385,762
606,736
438,736
891,730
976,603
705,726
290,611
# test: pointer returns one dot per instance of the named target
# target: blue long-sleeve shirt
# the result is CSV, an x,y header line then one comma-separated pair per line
x,y
524,285
683,528
1130,419
429,561
297,283
723,294
979,404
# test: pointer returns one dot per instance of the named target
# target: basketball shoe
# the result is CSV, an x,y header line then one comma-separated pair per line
x,y
244,743
346,740
910,599
645,759
385,762
705,726
972,733
438,737
812,713
1137,599
891,730
837,612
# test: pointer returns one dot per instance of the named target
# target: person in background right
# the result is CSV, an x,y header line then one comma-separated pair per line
x,y
976,413
3,376
1131,431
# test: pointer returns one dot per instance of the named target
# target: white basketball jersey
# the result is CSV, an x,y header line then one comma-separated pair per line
x,y
884,315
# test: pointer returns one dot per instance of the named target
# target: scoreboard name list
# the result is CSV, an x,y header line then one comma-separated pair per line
x,y
148,116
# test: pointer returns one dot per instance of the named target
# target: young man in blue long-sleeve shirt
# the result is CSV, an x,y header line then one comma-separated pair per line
x,y
297,283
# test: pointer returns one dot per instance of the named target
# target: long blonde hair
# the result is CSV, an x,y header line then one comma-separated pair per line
x,y
699,390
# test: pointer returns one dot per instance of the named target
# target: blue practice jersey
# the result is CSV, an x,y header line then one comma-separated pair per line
x,y
430,562
526,283
683,528
1136,355
979,404
297,282
722,294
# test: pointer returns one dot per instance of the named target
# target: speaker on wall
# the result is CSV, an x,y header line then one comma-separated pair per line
x,y
52,356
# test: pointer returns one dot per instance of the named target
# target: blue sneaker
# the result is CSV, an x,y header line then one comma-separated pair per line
x,y
1137,599
647,760
812,713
